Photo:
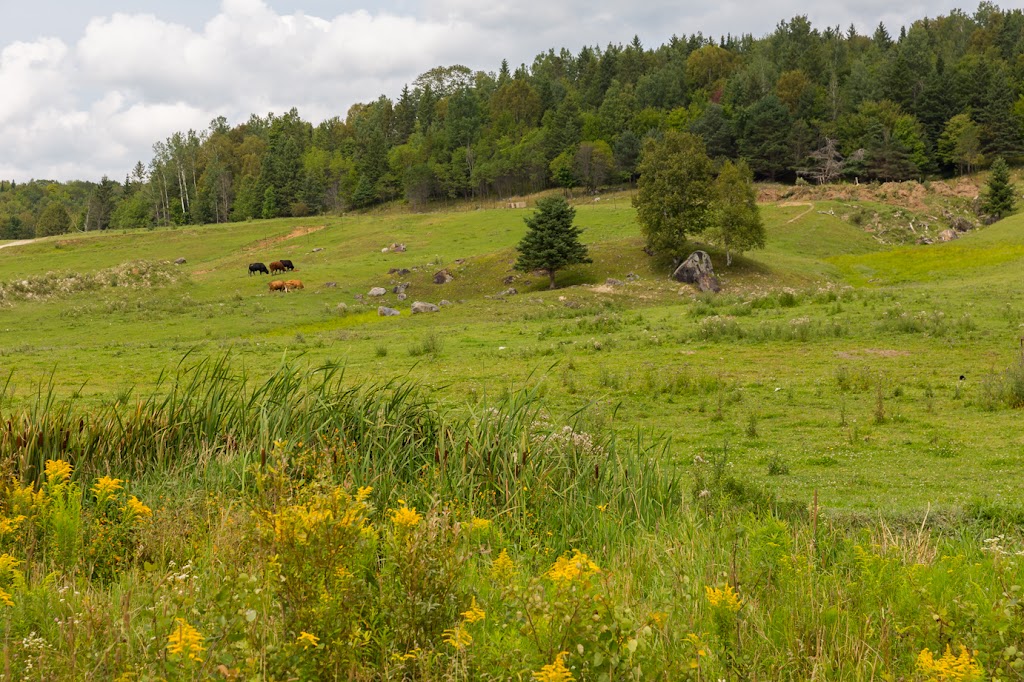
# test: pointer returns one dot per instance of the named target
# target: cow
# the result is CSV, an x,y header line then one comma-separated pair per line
x,y
287,264
256,268
276,266
294,284
278,285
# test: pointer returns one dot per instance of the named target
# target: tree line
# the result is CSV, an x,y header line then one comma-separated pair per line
x,y
942,97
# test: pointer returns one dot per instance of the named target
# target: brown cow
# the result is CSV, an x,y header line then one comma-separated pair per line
x,y
278,285
294,284
276,266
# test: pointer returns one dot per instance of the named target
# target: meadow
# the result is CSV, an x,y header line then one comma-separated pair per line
x,y
815,474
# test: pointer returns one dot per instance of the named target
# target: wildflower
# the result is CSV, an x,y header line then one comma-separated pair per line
x,y
106,486
502,567
555,672
9,525
475,613
5,597
307,640
699,650
567,569
949,668
458,637
479,524
137,509
185,639
658,618
725,598
57,471
363,493
405,517
602,508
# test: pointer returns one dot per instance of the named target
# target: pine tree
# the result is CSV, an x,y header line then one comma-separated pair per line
x,y
999,197
552,241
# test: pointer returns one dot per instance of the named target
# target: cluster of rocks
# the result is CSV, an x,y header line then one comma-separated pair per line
x,y
394,248
416,308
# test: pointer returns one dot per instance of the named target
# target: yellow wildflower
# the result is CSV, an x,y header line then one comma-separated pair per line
x,y
405,517
5,597
567,569
343,573
307,640
555,672
363,493
475,613
137,509
949,668
725,598
479,524
502,567
185,639
25,499
699,649
57,471
658,618
106,486
458,637
10,525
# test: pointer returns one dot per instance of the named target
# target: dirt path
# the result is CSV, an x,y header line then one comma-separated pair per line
x,y
809,205
20,242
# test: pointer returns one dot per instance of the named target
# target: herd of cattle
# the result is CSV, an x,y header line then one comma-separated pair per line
x,y
275,267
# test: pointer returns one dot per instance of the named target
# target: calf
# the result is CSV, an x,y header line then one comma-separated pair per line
x,y
257,268
277,266
278,285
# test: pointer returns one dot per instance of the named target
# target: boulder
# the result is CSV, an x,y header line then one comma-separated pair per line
x,y
442,277
330,285
632,277
400,289
377,291
179,261
444,303
318,249
697,269
948,235
612,282
511,291
385,311
397,248
342,307
402,296
508,280
421,307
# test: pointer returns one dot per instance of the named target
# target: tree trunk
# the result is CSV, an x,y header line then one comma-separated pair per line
x,y
728,258
551,276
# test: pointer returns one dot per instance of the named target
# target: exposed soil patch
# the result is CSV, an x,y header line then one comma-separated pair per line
x,y
297,232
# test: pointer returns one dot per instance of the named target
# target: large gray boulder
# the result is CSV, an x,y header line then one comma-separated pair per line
x,y
443,277
384,311
377,291
421,307
697,269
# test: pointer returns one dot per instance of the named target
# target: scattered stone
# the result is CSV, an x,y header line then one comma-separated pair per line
x,y
511,291
400,288
948,235
385,311
384,250
632,277
697,269
318,249
330,285
612,282
460,261
444,303
421,307
397,248
571,304
358,297
442,277
508,280
179,261
402,296
377,291
342,307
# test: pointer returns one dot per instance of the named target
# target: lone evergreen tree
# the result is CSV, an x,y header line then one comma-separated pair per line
x,y
999,197
552,241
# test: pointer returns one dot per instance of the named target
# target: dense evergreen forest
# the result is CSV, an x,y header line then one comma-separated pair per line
x,y
942,97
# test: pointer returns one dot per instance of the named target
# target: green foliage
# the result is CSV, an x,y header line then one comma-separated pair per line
x,y
53,220
675,194
552,241
738,226
1000,196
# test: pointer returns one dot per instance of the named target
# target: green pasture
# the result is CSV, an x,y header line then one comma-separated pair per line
x,y
831,362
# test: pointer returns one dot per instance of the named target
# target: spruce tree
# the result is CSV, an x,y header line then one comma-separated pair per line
x,y
552,241
999,197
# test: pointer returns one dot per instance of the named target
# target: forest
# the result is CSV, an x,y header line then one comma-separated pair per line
x,y
802,104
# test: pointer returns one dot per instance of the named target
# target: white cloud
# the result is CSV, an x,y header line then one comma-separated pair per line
x,y
94,103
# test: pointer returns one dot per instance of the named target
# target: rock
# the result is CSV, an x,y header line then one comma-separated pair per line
x,y
632,277
612,282
180,261
508,280
444,303
402,296
511,291
397,248
377,291
330,285
697,270
385,311
384,250
442,277
948,235
400,289
318,249
342,307
421,307
358,297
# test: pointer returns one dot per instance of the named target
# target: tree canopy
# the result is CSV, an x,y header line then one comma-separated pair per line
x,y
552,242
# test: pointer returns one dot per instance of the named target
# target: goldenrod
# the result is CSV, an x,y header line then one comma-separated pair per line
x,y
555,672
567,569
725,598
949,668
106,486
405,517
307,640
457,637
185,639
57,471
475,613
502,567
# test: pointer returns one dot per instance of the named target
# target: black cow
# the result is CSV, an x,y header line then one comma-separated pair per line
x,y
256,268
287,264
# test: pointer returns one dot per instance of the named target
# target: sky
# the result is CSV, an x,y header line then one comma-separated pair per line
x,y
87,86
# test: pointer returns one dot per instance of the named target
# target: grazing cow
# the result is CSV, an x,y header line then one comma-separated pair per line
x,y
256,268
294,284
287,264
278,285
277,266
